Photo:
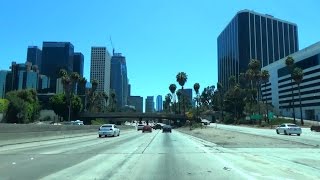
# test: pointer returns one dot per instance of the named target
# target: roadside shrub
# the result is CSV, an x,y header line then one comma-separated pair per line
x,y
23,106
228,119
98,122
3,105
277,121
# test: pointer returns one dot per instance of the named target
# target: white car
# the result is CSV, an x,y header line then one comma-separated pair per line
x,y
109,130
288,129
140,127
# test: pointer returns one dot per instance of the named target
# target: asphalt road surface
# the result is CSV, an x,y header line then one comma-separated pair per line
x,y
156,155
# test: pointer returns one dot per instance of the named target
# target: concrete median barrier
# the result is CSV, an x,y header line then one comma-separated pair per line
x,y
24,133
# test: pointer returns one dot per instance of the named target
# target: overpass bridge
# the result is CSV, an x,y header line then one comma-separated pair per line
x,y
133,115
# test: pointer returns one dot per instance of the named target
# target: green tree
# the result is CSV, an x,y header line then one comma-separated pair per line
x,y
3,105
182,79
297,76
265,79
23,106
221,99
290,66
60,106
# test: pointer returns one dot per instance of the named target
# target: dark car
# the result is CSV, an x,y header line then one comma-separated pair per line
x,y
147,128
166,128
157,126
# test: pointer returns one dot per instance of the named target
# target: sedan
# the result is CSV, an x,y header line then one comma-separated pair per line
x,y
288,129
166,128
109,130
157,126
147,128
140,127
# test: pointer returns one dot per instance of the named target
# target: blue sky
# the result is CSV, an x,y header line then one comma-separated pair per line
x,y
158,37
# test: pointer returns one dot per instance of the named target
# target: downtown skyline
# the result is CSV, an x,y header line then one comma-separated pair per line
x,y
156,42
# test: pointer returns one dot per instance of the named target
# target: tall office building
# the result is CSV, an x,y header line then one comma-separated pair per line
x,y
137,102
149,104
188,94
3,83
129,89
251,35
23,76
34,55
159,105
78,61
56,56
119,79
278,90
100,68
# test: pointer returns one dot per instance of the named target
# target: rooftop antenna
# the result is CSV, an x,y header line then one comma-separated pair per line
x,y
112,46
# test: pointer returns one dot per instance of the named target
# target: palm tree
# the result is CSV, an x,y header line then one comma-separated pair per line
x,y
196,88
75,77
94,83
172,89
105,97
297,76
182,79
82,85
62,73
168,98
113,101
265,78
179,98
290,67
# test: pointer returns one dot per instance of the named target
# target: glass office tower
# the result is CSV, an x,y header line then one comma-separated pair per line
x,y
251,35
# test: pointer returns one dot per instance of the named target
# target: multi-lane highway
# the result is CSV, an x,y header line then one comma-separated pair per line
x,y
156,155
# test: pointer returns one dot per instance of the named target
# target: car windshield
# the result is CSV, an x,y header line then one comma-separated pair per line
x,y
292,125
107,126
159,89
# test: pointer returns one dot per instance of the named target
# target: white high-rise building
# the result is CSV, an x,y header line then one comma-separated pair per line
x,y
100,68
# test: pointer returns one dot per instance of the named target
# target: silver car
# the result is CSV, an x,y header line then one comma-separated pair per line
x,y
109,130
288,129
140,127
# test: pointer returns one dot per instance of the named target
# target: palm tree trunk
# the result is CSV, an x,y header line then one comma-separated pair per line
x,y
184,107
292,104
302,123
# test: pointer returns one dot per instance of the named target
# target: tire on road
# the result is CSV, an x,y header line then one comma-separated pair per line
x,y
285,132
277,131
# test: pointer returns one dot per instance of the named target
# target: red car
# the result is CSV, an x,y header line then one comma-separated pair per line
x,y
147,128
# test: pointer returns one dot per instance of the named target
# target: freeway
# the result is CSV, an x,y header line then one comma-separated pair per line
x,y
307,137
156,155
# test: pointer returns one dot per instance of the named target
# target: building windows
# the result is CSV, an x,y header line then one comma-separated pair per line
x,y
276,39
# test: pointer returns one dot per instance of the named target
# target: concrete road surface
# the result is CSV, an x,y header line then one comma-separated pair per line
x,y
307,137
156,155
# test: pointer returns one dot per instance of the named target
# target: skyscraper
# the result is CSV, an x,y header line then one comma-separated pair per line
x,y
100,68
56,56
251,35
149,104
187,93
159,103
119,79
3,83
34,55
137,102
78,61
